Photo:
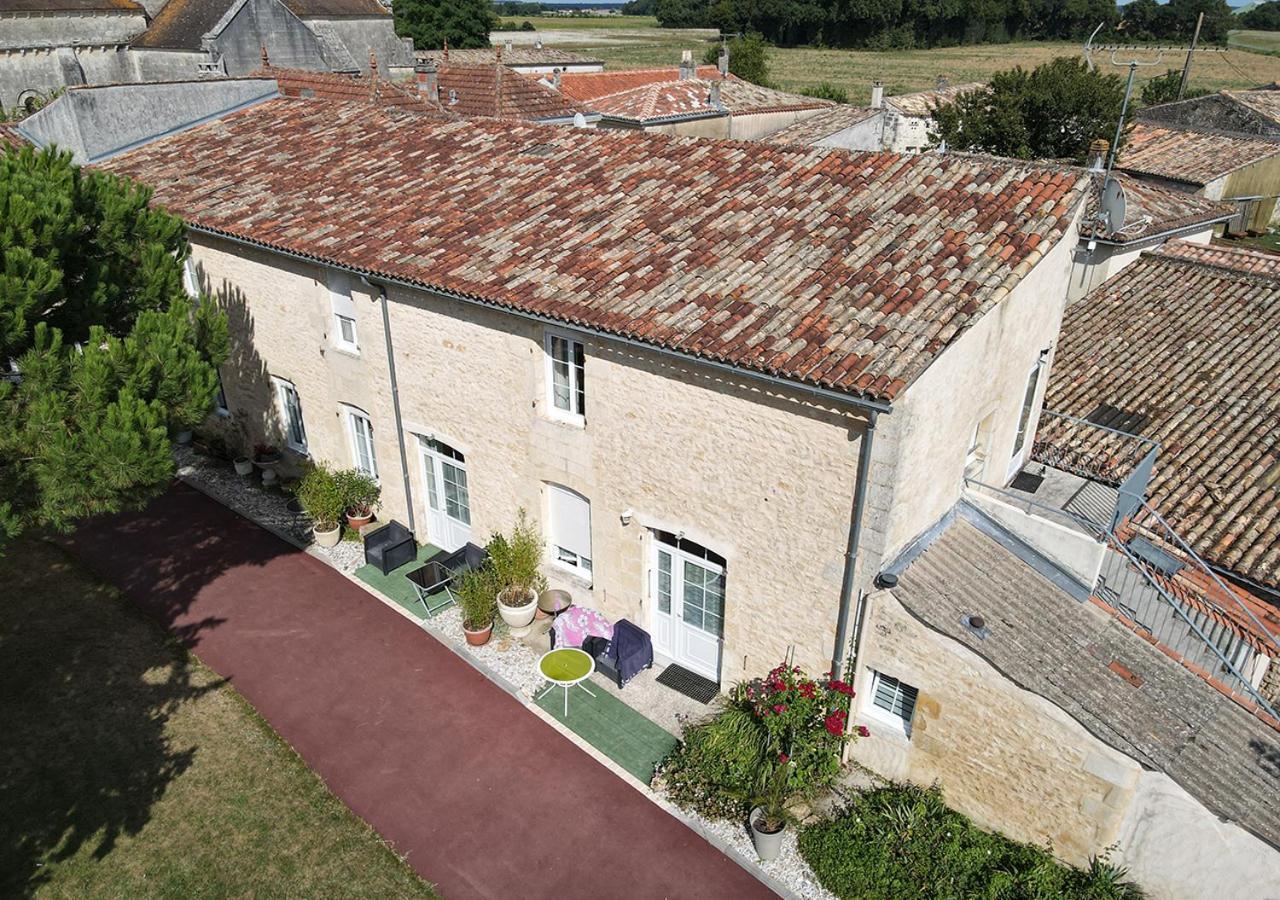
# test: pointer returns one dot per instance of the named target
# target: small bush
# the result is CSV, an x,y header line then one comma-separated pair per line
x,y
827,91
360,493
322,497
904,841
517,561
476,592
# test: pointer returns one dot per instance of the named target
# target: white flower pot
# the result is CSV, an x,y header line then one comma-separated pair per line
x,y
268,476
184,437
244,467
768,846
328,538
518,616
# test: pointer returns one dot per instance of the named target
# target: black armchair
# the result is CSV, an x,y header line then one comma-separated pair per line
x,y
390,547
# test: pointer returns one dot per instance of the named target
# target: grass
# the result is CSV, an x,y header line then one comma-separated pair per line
x,y
1256,41
612,727
626,43
131,770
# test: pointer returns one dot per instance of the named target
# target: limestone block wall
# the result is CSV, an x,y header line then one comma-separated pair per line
x,y
762,477
1018,764
866,135
754,126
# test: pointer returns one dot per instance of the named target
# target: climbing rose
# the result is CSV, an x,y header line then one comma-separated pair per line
x,y
780,709
834,723
863,731
782,758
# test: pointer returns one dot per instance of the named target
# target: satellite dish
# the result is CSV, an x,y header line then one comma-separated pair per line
x,y
1112,206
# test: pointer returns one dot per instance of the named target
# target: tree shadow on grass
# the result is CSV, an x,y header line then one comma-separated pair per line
x,y
88,689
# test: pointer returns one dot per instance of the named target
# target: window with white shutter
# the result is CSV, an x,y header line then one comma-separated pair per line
x,y
570,529
343,327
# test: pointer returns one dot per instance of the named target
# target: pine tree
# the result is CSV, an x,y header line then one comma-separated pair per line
x,y
107,353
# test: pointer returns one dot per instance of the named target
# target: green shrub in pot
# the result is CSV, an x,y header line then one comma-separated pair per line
x,y
321,496
476,593
517,562
360,495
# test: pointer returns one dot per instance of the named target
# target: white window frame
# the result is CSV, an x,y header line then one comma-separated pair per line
x,y
576,414
871,710
342,306
354,416
576,559
1019,457
282,386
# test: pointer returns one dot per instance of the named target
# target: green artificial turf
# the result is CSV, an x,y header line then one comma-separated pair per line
x,y
612,727
396,587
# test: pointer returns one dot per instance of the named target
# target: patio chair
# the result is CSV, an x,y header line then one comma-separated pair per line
x,y
432,579
390,547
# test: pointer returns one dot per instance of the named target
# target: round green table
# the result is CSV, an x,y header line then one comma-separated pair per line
x,y
564,668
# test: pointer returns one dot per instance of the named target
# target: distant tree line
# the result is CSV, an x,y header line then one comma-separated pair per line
x,y
903,24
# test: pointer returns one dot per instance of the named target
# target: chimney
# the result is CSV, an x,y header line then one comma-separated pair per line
x,y
714,97
266,60
724,61
943,83
1097,158
877,94
499,55
555,78
428,81
508,45
686,65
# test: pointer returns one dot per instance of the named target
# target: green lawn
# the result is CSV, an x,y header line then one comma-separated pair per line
x,y
129,770
1257,41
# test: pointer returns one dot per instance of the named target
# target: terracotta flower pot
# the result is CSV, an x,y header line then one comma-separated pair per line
x,y
478,638
357,520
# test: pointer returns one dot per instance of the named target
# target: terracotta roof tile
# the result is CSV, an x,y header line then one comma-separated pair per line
x,y
1152,209
1184,341
1265,101
515,56
11,137
590,85
779,260
501,93
352,88
1194,157
811,131
692,97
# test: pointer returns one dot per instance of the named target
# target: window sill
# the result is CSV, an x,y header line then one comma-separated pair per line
x,y
884,724
564,418
346,351
577,576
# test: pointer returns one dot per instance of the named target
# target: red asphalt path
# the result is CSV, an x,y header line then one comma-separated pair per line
x,y
484,798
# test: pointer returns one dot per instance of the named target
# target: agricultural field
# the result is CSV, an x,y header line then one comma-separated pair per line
x,y
634,41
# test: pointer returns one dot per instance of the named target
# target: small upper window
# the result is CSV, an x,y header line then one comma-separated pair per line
x,y
891,701
344,313
566,377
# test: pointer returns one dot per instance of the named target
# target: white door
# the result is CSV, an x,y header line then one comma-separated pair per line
x,y
444,472
687,622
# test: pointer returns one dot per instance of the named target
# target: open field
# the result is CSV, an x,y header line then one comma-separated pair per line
x,y
582,23
1257,41
131,770
901,71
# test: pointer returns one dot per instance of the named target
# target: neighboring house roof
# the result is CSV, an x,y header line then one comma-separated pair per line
x,y
1152,209
1181,347
10,136
814,129
1193,157
181,24
923,103
1238,259
590,85
1047,642
1265,101
337,9
694,97
850,272
513,57
70,6
501,93
340,86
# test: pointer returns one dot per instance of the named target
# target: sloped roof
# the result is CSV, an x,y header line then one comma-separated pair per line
x,y
1152,209
354,88
1265,101
1047,642
1185,339
11,137
590,85
181,24
1237,259
514,56
502,93
850,272
337,9
692,97
1194,157
923,103
70,6
810,131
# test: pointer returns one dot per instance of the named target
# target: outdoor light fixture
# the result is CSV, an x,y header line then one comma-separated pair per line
x,y
626,516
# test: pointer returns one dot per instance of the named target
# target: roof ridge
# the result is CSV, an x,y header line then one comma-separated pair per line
x,y
1251,277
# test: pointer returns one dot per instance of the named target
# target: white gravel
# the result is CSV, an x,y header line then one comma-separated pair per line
x,y
507,656
789,868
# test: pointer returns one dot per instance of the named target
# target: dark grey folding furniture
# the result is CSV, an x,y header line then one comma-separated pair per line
x,y
431,580
390,547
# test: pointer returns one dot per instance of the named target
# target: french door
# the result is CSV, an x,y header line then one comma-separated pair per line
x,y
444,472
687,619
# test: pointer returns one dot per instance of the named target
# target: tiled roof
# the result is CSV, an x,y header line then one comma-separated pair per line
x,y
1152,209
502,93
11,137
1265,101
70,6
1194,157
1047,642
1188,351
923,103
336,9
354,88
181,24
850,272
1238,259
590,85
810,131
671,99
515,56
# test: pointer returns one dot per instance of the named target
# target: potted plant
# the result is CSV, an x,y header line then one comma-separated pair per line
x,y
320,496
184,437
360,495
516,560
475,591
266,455
770,816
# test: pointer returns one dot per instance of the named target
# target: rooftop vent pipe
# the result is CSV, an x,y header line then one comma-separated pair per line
x,y
686,65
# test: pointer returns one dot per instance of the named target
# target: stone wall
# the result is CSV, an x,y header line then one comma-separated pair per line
x,y
754,126
866,135
1018,764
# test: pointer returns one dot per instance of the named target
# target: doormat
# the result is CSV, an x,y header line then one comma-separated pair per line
x,y
692,685
1025,481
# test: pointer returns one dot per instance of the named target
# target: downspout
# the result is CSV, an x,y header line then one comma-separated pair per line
x,y
851,552
395,398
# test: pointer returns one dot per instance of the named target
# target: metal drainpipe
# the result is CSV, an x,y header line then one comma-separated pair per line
x,y
395,399
851,553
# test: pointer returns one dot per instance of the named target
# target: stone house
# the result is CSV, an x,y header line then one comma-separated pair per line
x,y
842,126
737,385
1252,112
909,117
